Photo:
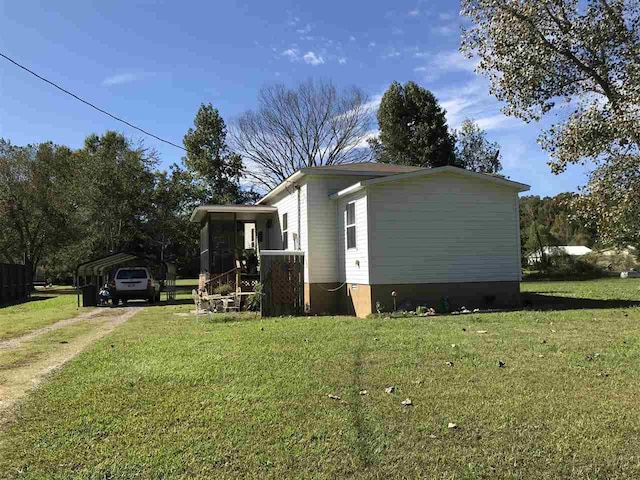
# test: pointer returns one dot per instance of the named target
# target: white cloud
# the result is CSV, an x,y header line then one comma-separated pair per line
x,y
446,16
472,100
454,60
373,104
391,53
342,60
494,122
293,20
414,13
372,44
420,69
352,38
123,78
313,59
371,134
291,53
305,29
445,62
446,29
397,31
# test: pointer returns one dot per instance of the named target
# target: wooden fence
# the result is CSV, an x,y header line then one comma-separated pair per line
x,y
15,283
282,278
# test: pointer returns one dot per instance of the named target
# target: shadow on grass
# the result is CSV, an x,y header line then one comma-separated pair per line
x,y
34,298
364,434
539,301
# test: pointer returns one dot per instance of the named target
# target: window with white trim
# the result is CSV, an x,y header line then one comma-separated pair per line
x,y
285,231
351,225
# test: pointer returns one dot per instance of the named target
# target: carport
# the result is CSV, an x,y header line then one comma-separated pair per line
x,y
96,272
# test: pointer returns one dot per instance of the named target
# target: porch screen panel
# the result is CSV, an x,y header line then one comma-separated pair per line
x,y
221,252
205,267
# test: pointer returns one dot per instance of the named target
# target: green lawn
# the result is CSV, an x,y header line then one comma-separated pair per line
x,y
167,396
41,311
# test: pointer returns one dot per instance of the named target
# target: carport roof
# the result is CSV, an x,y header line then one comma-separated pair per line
x,y
99,265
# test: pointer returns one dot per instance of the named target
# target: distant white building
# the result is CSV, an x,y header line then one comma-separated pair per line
x,y
571,250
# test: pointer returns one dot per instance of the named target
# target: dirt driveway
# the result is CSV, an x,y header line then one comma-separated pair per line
x,y
25,361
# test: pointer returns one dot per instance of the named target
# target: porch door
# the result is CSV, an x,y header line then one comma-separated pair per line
x,y
222,245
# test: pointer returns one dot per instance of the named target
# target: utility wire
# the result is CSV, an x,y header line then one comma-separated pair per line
x,y
90,104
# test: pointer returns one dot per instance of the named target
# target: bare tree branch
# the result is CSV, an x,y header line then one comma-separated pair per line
x,y
311,125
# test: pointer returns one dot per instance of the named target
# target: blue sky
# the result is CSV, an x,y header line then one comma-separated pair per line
x,y
153,63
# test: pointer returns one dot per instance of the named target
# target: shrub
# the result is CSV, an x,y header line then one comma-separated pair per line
x,y
567,267
615,261
223,289
253,302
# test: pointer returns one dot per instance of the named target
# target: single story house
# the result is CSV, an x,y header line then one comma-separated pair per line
x,y
571,250
431,235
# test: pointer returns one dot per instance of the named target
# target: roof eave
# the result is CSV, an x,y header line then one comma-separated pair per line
x,y
199,212
520,187
310,171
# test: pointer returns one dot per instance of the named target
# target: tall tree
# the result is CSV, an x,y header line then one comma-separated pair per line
x,y
610,201
34,200
168,230
473,151
310,125
114,191
413,128
584,56
210,159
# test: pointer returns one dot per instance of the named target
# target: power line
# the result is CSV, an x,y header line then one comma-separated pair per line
x,y
91,104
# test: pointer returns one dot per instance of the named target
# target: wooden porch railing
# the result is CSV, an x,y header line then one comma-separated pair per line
x,y
232,277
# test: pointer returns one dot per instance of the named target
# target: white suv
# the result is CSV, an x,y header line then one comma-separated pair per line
x,y
134,283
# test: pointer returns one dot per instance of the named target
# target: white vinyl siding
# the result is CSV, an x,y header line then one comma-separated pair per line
x,y
323,225
443,228
287,203
353,263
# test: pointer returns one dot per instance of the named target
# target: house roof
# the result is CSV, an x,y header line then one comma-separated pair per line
x,y
369,167
361,168
423,172
244,212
